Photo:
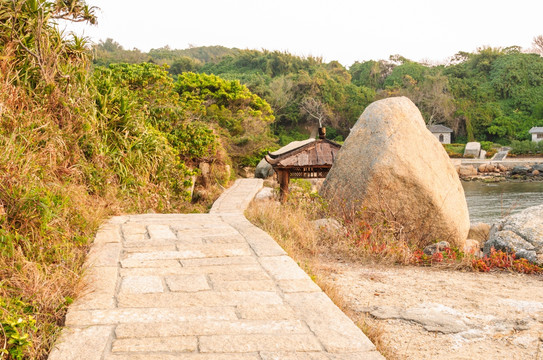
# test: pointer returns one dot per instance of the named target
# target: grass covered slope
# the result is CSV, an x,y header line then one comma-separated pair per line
x,y
80,145
65,164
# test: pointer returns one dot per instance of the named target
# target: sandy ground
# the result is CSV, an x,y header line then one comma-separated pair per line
x,y
444,314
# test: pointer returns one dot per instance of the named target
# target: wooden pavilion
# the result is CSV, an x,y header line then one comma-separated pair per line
x,y
307,159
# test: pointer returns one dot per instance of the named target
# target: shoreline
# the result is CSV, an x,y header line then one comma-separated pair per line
x,y
488,170
510,162
490,178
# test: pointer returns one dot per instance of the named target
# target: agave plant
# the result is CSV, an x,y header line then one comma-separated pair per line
x,y
30,39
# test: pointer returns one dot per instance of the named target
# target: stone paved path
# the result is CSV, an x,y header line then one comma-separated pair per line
x,y
202,286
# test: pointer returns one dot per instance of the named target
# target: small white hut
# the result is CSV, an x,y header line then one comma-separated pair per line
x,y
442,133
537,133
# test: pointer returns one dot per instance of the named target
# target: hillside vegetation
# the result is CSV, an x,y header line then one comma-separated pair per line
x,y
80,143
493,94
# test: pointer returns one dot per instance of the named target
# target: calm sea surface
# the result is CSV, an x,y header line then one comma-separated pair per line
x,y
489,202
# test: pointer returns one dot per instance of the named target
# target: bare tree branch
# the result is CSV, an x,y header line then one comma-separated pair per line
x,y
538,45
315,109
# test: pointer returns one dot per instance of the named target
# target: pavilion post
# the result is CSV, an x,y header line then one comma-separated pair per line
x,y
284,178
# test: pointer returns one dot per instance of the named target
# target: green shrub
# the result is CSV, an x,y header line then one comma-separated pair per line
x,y
526,147
16,325
487,145
455,150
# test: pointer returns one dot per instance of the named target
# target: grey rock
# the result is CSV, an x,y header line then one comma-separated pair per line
x,y
529,255
521,233
538,167
432,317
437,247
386,312
520,170
263,170
390,163
266,193
506,240
330,226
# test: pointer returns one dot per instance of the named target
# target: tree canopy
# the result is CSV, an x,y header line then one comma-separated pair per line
x,y
493,94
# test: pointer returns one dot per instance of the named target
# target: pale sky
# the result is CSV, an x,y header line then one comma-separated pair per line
x,y
343,30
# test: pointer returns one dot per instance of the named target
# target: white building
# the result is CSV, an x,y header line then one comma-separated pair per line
x,y
537,133
442,133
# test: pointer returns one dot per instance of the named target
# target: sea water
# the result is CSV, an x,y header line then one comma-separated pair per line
x,y
490,202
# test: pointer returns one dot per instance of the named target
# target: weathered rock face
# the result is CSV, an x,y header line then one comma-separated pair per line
x,y
487,168
329,226
467,170
266,193
437,247
520,233
390,162
263,170
520,170
473,149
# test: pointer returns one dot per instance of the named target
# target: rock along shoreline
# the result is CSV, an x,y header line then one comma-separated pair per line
x,y
511,170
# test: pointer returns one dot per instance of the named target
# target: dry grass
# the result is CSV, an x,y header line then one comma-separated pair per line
x,y
290,225
366,239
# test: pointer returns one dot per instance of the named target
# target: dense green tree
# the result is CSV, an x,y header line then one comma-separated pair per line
x,y
184,64
518,79
109,51
242,119
496,92
203,54
406,74
371,74
491,94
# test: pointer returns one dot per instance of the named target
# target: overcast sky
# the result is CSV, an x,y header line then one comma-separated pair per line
x,y
343,30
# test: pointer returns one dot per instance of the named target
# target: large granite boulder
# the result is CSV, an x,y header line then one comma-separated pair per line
x,y
263,170
391,165
521,233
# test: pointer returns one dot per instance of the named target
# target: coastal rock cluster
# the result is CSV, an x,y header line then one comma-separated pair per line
x,y
467,171
520,233
391,165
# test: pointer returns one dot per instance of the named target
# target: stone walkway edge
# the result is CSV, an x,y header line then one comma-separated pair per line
x,y
202,286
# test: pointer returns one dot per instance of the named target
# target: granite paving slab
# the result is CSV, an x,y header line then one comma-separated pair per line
x,y
202,286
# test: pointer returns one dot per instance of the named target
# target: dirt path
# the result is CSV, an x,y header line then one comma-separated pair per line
x,y
440,314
